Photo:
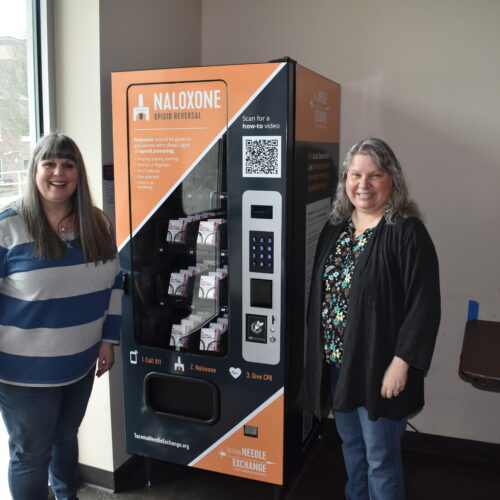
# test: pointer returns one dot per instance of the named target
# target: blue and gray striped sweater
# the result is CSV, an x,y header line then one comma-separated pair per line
x,y
53,313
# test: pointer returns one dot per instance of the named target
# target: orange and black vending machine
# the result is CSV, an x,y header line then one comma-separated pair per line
x,y
223,180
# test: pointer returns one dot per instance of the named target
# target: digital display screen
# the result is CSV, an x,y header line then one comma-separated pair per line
x,y
261,211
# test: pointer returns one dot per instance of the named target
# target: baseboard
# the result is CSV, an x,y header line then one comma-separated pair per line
x,y
99,478
475,451
113,481
432,444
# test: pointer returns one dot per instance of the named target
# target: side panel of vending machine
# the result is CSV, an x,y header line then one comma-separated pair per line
x,y
316,157
206,171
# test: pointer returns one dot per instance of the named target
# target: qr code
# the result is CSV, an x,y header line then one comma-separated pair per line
x,y
262,156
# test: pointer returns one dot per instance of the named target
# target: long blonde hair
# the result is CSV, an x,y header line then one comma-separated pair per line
x,y
91,227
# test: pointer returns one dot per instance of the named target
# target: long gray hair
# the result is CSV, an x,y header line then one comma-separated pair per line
x,y
382,155
91,227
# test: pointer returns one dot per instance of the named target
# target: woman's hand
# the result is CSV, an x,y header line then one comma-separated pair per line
x,y
105,359
395,377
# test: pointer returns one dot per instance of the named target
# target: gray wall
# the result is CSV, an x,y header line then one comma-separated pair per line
x,y
423,75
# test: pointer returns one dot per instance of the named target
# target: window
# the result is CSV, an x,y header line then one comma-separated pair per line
x,y
20,106
20,112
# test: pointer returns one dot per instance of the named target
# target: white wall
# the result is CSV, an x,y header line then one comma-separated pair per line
x,y
76,28
423,75
77,90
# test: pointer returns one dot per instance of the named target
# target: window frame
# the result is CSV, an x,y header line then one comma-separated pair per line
x,y
41,67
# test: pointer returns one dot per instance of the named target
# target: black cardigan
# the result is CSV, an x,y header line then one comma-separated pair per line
x,y
394,309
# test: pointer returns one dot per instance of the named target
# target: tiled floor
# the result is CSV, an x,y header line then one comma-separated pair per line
x,y
428,477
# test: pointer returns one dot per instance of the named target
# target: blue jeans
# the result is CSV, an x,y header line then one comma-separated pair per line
x,y
42,423
372,453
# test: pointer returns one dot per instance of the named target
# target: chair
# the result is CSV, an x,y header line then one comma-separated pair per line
x,y
479,360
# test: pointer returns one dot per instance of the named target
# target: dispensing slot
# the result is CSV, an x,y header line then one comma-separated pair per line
x,y
182,398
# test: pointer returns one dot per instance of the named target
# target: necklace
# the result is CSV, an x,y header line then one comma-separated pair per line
x,y
64,236
65,226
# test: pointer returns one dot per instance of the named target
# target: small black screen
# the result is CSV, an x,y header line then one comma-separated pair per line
x,y
261,211
261,293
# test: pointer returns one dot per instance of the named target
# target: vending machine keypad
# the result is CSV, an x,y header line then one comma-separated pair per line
x,y
261,251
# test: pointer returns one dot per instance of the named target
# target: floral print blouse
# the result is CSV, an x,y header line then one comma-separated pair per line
x,y
337,276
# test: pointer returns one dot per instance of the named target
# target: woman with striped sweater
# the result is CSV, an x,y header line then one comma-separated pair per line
x,y
60,311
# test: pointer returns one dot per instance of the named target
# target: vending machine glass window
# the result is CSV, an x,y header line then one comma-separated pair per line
x,y
179,278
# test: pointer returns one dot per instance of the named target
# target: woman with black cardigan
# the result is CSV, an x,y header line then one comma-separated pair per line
x,y
373,317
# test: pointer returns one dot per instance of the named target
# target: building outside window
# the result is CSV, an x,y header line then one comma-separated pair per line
x,y
16,104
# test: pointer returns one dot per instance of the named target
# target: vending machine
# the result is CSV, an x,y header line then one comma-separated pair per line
x,y
223,181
